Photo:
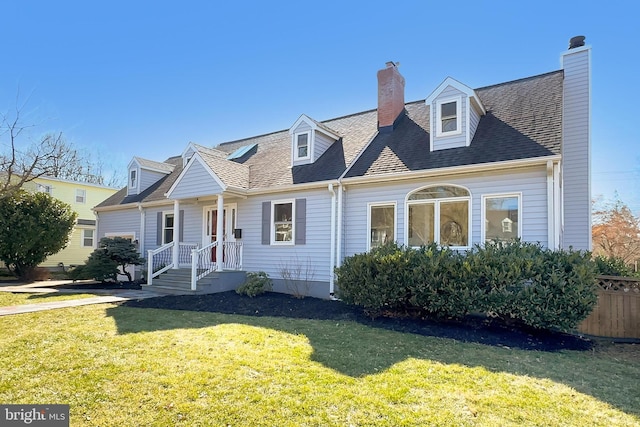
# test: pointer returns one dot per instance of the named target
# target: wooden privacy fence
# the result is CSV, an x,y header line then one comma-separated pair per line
x,y
617,314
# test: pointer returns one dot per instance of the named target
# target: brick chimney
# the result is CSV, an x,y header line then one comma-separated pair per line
x,y
390,96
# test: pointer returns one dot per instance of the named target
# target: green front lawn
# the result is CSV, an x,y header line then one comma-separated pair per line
x,y
20,298
121,366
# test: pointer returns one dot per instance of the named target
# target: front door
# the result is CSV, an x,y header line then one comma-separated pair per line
x,y
228,225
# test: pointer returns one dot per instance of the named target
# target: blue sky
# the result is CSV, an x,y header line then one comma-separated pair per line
x,y
145,78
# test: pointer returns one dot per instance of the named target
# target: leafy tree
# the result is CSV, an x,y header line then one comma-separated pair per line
x,y
616,232
33,226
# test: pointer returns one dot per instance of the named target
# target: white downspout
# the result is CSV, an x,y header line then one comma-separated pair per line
x,y
339,214
551,232
332,259
142,226
176,234
557,203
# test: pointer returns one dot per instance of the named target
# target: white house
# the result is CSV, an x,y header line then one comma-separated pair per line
x,y
459,168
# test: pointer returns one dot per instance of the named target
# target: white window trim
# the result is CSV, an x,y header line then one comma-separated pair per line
x,y
44,188
164,222
309,134
483,212
84,195
436,213
439,102
293,222
82,237
395,219
133,188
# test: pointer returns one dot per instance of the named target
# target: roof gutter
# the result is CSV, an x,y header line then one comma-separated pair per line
x,y
453,170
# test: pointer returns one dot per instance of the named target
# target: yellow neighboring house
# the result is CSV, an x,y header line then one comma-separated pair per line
x,y
82,197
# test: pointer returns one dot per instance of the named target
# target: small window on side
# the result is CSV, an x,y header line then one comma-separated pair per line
x,y
302,146
81,195
132,179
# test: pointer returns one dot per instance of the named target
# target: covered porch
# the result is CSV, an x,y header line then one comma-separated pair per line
x,y
217,250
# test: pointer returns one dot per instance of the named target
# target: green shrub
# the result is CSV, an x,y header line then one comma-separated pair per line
x,y
538,287
377,280
517,281
256,284
612,266
99,266
439,284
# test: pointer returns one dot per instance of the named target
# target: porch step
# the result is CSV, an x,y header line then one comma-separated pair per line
x,y
178,282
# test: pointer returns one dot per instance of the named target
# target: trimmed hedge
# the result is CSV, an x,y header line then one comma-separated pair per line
x,y
524,282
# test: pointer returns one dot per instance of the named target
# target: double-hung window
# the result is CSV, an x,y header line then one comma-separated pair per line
x,y
439,214
81,195
132,178
282,222
87,237
302,146
501,217
382,224
448,120
167,228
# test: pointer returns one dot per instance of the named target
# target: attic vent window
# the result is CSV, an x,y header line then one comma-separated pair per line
x,y
449,118
302,146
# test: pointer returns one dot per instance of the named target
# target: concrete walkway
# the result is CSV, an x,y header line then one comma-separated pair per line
x,y
49,287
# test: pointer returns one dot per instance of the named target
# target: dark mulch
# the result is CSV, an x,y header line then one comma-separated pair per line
x,y
471,329
98,285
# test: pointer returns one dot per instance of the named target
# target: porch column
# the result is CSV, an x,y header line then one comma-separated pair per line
x,y
176,233
219,231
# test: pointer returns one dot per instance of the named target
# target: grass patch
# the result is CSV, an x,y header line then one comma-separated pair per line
x,y
21,298
129,366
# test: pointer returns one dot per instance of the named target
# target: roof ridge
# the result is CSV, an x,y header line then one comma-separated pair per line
x,y
520,80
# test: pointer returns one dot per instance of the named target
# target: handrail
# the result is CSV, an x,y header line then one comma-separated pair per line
x,y
163,261
200,266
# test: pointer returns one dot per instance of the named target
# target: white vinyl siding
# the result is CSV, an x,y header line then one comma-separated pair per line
x,y
530,182
271,258
302,128
320,145
196,182
453,140
115,222
576,149
148,178
474,119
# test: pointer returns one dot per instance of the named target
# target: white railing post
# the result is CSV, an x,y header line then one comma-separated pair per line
x,y
194,268
149,267
241,254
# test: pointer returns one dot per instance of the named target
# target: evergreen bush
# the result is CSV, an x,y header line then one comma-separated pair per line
x,y
256,284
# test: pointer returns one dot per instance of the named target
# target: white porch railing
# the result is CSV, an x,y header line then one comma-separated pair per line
x,y
189,254
202,260
158,261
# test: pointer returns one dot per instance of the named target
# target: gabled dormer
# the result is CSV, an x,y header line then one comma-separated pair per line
x,y
143,173
188,153
455,113
309,140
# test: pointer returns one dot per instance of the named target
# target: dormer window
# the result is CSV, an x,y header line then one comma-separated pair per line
x,y
302,146
448,120
132,179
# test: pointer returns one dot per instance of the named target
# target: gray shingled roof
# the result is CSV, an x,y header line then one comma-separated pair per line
x,y
151,164
523,120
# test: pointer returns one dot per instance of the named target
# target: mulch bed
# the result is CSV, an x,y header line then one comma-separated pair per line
x,y
471,329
